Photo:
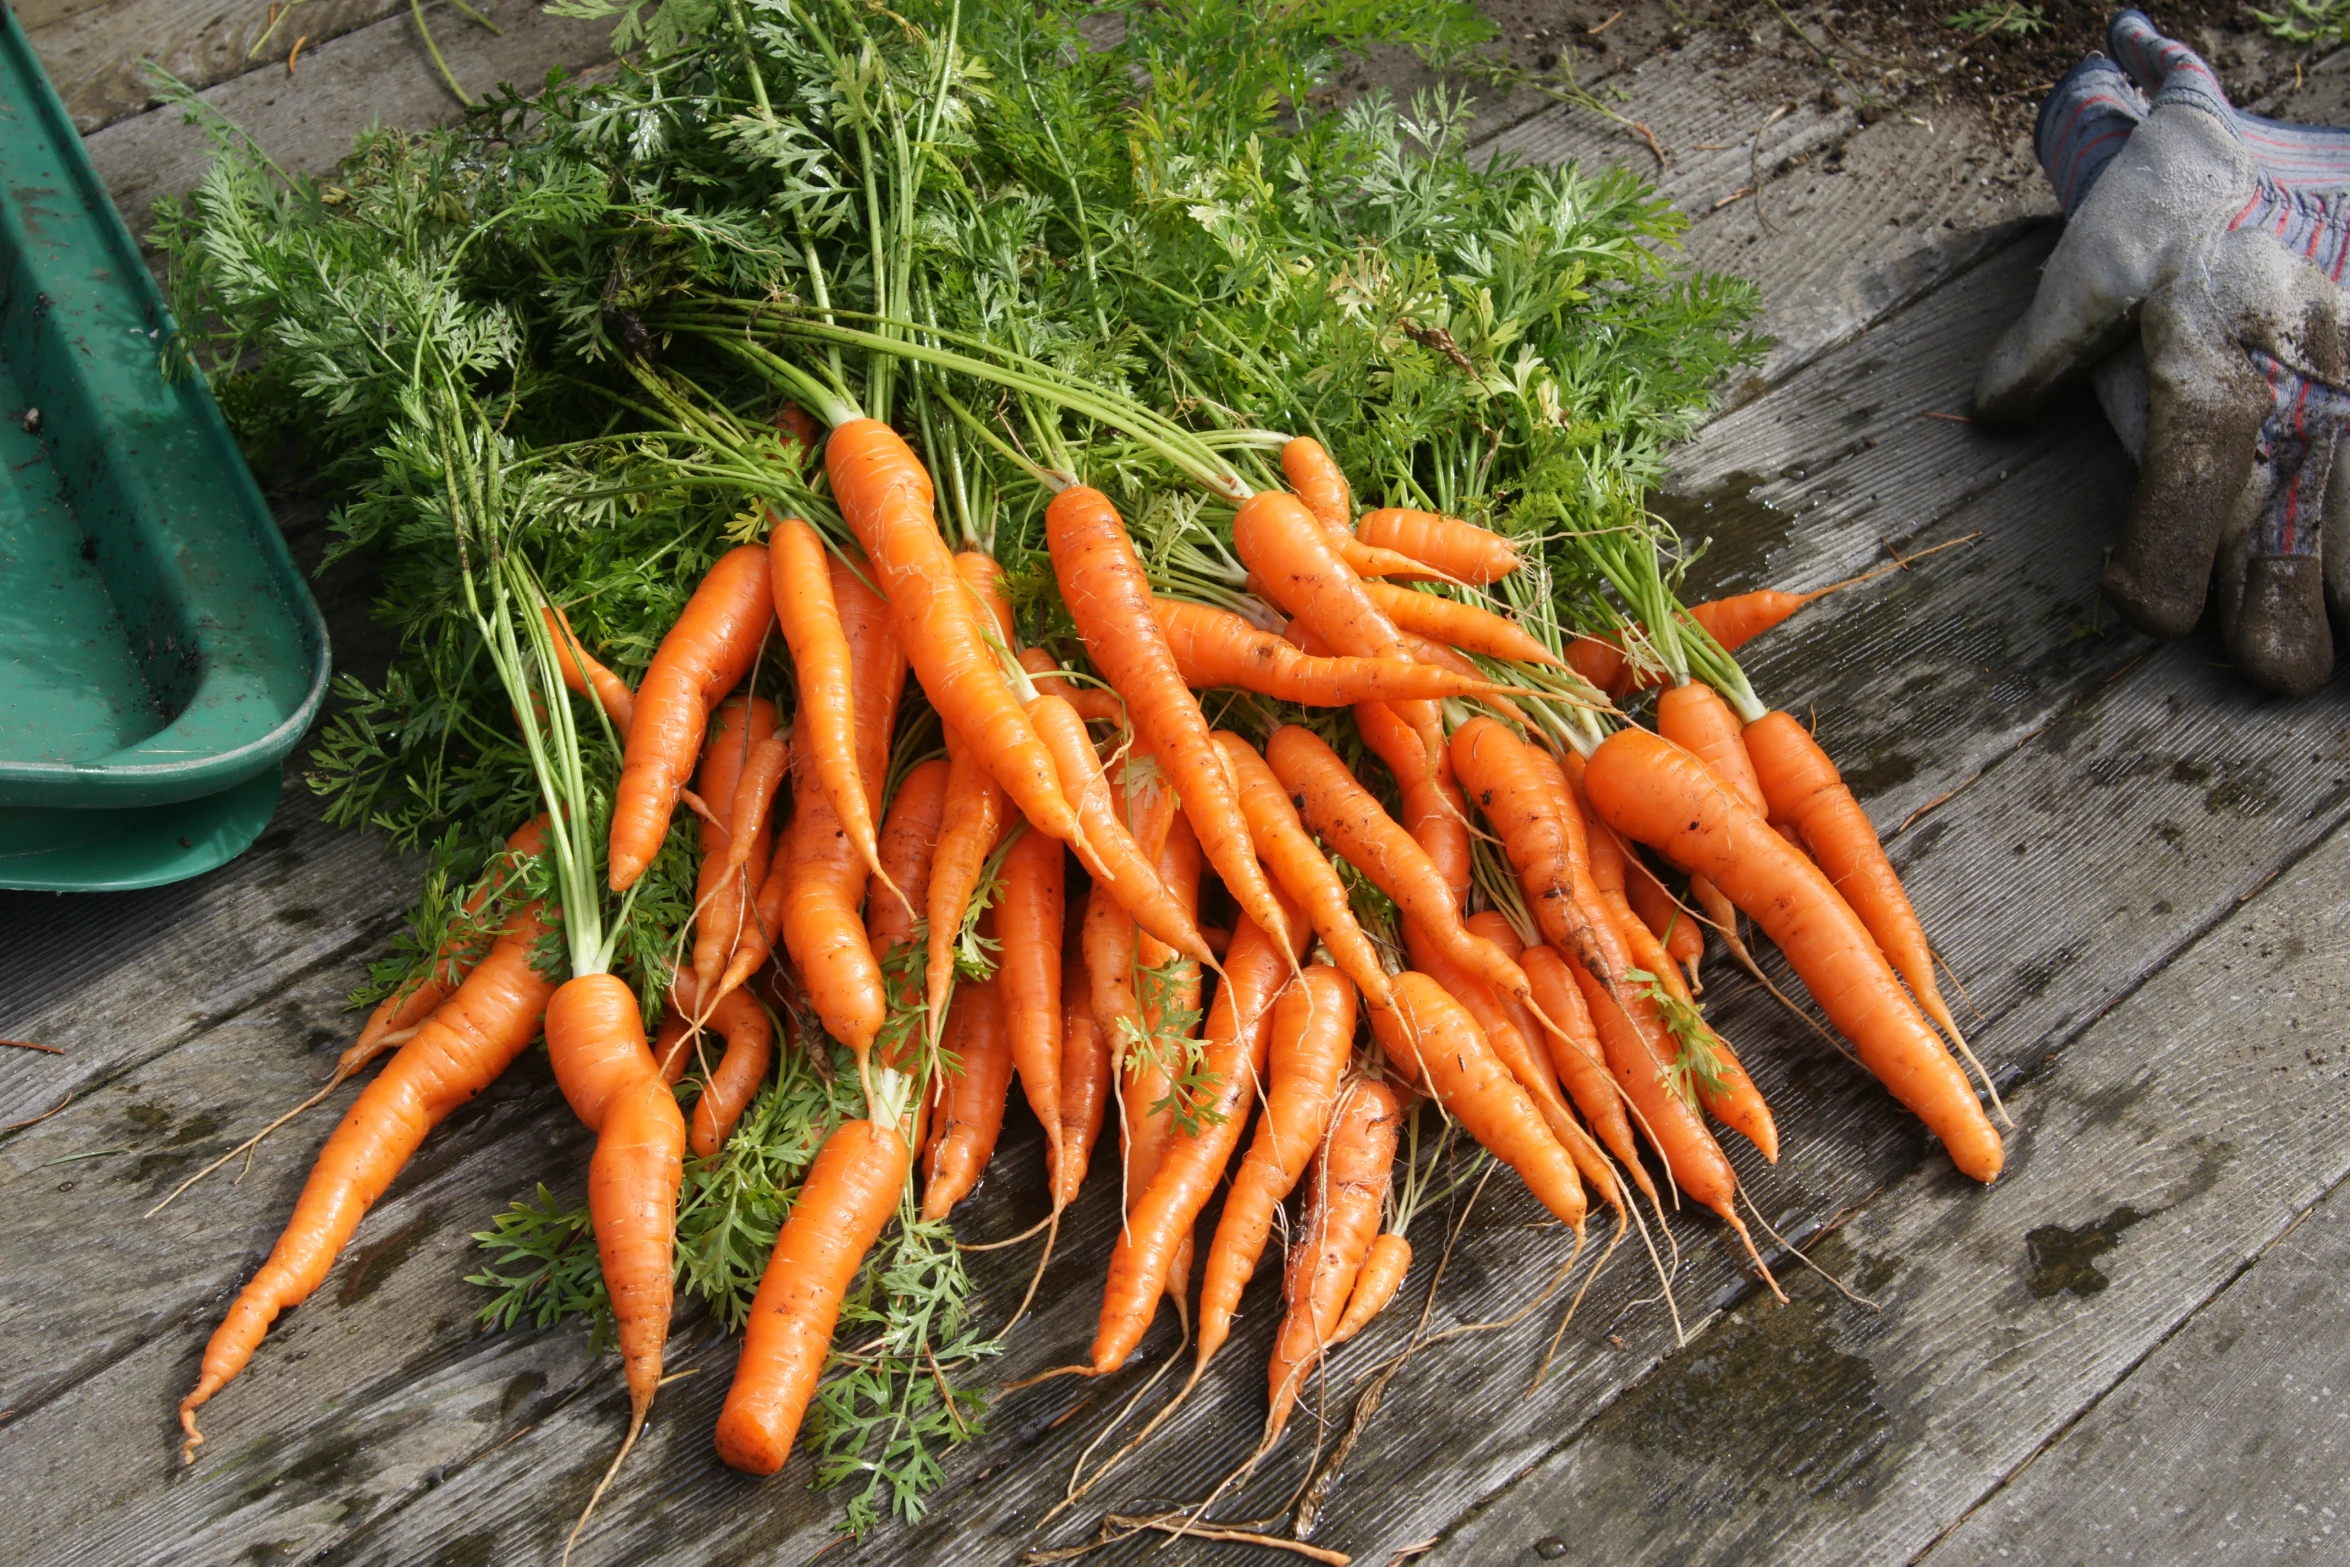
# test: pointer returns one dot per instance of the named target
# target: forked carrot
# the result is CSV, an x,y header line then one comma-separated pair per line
x,y
909,835
886,498
1581,1061
1530,1062
1109,596
457,1052
1661,795
1313,1039
1380,1276
724,895
702,658
1239,1034
1345,1192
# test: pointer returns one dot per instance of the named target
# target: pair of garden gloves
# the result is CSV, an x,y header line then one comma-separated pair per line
x,y
2220,239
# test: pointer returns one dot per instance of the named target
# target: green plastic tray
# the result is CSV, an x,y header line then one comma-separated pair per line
x,y
159,651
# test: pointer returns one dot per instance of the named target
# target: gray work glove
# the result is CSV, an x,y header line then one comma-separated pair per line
x,y
2220,237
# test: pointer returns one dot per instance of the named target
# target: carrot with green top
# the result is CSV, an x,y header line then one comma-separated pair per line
x,y
704,656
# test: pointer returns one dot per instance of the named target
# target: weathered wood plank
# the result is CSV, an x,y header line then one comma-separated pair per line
x,y
2232,1438
378,75
2157,1154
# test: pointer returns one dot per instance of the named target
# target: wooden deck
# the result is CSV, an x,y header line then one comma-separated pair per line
x,y
2135,1346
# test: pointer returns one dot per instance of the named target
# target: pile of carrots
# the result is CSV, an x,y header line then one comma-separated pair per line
x,y
1041,904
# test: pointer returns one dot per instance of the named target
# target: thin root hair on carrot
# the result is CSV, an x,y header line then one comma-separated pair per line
x,y
1804,1257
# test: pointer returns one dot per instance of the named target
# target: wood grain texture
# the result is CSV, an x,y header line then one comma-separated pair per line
x,y
2231,1440
377,75
2157,1155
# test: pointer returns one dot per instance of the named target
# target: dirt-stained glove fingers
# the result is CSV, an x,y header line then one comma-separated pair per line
x,y
2271,578
2205,407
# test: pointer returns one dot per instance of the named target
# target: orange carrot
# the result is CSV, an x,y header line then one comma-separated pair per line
x,y
1530,1062
596,1043
974,821
1299,566
1109,938
1092,704
1694,717
813,891
964,1137
877,670
1459,625
1214,647
1109,596
582,674
1085,1077
1352,823
1434,811
455,1053
1108,851
1028,971
851,1191
1666,920
1239,1034
1313,1038
908,836
1581,1061
1319,484
1421,717
1381,1275
1433,1035
820,658
704,655
402,1011
1346,1190
1804,789
1597,660
738,1074
1666,798
1299,868
724,916
754,796
886,498
1458,549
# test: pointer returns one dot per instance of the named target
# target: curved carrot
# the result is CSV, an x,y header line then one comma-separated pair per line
x,y
1581,1061
1804,789
724,917
1433,1033
1091,704
1313,1039
1381,1275
1028,920
1085,1077
402,1011
1434,811
1214,647
1317,481
974,1092
1531,1052
820,660
1109,596
455,1053
1663,796
1459,625
1346,1190
1299,868
909,836
703,657
596,1044
1351,822
1239,1033
849,1195
1456,548
973,823
1729,1095
885,496
1109,853
583,675
1666,920
1299,565
818,883
1694,717
750,1041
